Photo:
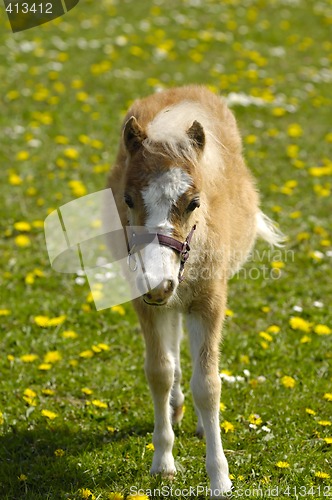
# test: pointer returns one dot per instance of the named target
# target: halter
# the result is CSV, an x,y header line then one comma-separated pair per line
x,y
182,248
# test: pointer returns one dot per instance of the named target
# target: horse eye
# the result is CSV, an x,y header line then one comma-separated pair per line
x,y
195,203
129,201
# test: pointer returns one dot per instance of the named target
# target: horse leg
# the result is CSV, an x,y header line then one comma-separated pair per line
x,y
160,368
204,332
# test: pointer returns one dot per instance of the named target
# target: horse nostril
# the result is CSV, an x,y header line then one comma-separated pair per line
x,y
168,286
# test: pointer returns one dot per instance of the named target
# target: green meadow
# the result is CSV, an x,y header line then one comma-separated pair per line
x,y
76,417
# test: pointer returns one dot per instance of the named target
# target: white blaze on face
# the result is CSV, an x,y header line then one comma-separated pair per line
x,y
159,196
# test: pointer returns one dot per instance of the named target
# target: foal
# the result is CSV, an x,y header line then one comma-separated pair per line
x,y
180,174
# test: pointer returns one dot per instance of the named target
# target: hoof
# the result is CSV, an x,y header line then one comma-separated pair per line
x,y
177,415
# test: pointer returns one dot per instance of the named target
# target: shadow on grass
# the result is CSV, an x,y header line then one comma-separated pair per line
x,y
32,468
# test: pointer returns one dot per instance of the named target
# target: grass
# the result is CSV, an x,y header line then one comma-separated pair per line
x,y
65,87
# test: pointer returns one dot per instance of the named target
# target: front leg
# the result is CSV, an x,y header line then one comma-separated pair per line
x,y
160,368
204,331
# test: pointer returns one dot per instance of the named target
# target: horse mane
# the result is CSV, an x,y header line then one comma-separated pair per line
x,y
169,130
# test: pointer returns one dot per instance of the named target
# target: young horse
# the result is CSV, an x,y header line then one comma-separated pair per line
x,y
180,173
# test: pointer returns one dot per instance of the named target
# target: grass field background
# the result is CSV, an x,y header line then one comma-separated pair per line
x,y
76,417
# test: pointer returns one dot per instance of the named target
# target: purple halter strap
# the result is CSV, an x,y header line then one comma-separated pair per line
x,y
182,248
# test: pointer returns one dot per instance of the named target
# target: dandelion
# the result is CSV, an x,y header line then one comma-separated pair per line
x,y
118,309
322,330
44,367
86,493
322,475
255,419
22,155
86,354
288,382
87,391
328,396
227,426
297,323
28,358
150,447
222,407
273,329
71,153
69,334
328,440
1,418
49,414
52,357
59,452
29,397
22,241
115,496
305,339
294,130
5,312
48,392
22,226
15,180
99,404
310,411
137,497
77,187
324,423
22,478
266,336
282,465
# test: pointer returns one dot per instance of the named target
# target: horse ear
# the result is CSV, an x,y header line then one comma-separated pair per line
x,y
133,135
196,135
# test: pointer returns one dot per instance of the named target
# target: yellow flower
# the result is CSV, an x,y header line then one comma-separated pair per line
x,y
255,419
22,477
273,329
282,465
305,339
48,392
322,330
86,354
49,414
322,475
28,358
99,404
78,188
22,155
86,390
1,418
44,367
310,411
294,130
227,426
52,357
266,336
69,334
292,150
137,497
324,423
328,440
222,407
298,323
59,452
288,382
150,447
58,320
5,312
115,496
71,153
15,180
279,112
41,320
229,313
118,309
251,139
244,358
22,226
86,493
29,397
328,396
22,241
